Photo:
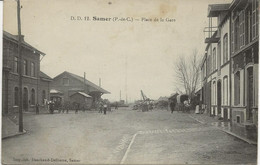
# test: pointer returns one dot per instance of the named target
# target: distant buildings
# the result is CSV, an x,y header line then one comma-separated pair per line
x,y
36,84
230,65
68,87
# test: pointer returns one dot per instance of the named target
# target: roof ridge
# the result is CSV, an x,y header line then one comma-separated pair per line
x,y
82,80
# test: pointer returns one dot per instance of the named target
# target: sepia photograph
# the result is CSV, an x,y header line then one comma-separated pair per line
x,y
130,82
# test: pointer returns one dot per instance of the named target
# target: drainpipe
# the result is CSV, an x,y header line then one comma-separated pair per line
x,y
230,69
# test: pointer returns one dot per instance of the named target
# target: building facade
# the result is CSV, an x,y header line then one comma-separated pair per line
x,y
216,63
244,57
35,84
229,68
67,84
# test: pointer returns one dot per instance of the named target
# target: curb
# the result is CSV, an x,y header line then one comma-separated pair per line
x,y
228,132
14,135
239,137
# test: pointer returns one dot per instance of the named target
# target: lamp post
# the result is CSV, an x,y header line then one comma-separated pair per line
x,y
20,68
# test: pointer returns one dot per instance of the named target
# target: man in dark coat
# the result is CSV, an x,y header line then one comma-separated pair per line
x,y
172,106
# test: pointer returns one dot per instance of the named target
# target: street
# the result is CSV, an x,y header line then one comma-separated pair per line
x,y
124,136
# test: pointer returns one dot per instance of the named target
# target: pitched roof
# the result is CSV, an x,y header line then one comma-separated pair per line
x,y
82,93
14,38
163,98
45,76
174,95
86,82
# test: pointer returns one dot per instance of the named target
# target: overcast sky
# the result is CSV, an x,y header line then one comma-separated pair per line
x,y
100,48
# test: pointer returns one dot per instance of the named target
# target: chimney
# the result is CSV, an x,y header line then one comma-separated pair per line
x,y
22,37
100,82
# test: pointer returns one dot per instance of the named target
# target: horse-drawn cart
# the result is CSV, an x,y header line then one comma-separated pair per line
x,y
183,103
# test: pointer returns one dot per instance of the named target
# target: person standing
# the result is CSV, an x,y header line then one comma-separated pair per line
x,y
172,106
105,108
100,107
37,108
116,106
77,107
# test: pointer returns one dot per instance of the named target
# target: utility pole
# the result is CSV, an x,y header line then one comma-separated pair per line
x,y
120,96
126,79
20,68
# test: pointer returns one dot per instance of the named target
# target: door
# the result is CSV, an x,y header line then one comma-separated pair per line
x,y
25,99
250,92
225,114
219,97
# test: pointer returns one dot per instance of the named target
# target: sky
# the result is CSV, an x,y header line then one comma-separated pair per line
x,y
127,56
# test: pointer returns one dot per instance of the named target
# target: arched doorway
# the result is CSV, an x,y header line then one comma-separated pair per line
x,y
25,99
250,92
219,96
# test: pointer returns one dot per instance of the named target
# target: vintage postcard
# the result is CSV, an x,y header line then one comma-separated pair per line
x,y
130,81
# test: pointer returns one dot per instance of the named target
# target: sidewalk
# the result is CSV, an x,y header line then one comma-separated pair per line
x,y
222,125
9,128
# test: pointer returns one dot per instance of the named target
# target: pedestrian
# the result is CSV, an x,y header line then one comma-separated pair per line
x,y
51,104
105,108
172,106
100,107
116,106
67,106
77,105
37,108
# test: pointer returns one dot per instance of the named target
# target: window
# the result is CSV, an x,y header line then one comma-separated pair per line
x,y
242,28
225,90
33,97
233,36
25,67
225,48
238,119
237,88
214,93
16,96
254,18
248,25
236,34
65,81
15,65
32,69
219,54
43,96
214,58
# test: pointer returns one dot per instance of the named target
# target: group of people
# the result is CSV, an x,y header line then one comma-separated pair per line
x,y
103,107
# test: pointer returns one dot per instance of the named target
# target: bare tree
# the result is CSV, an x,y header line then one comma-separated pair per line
x,y
187,74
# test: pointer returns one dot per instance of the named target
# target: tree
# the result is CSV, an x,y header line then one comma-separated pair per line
x,y
187,74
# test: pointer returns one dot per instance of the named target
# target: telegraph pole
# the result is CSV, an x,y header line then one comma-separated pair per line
x,y
126,79
20,69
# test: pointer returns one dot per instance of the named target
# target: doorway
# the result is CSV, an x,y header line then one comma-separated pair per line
x,y
250,93
219,97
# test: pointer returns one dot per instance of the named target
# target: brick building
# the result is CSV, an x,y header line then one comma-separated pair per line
x,y
68,84
230,65
35,84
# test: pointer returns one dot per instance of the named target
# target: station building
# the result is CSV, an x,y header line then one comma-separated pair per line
x,y
35,84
